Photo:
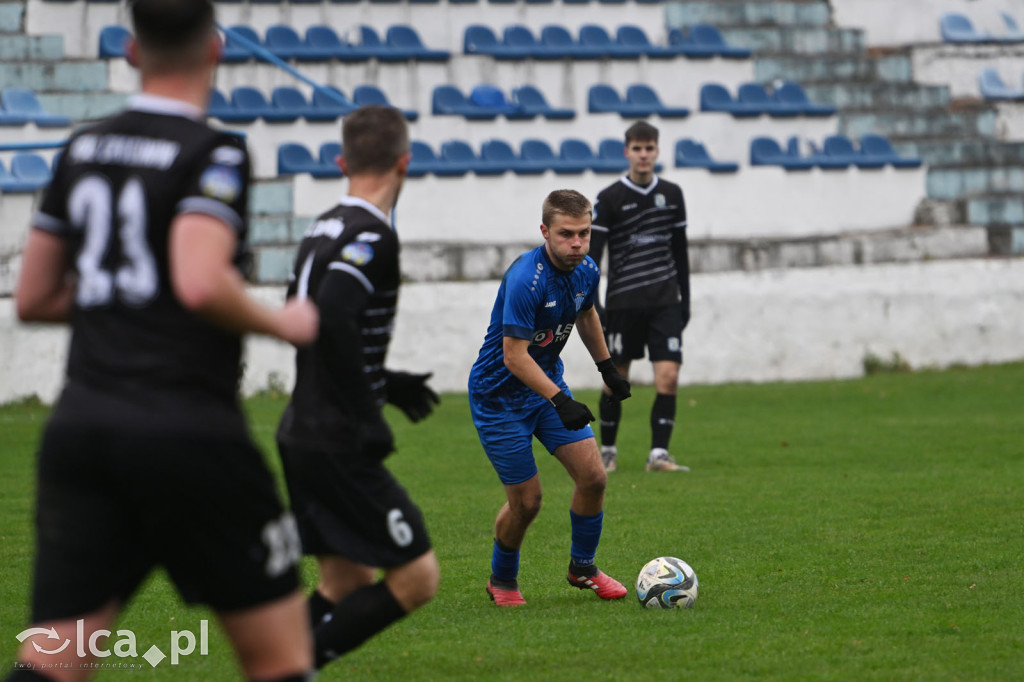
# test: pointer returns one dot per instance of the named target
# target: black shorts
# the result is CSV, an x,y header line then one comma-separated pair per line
x,y
350,505
660,329
112,506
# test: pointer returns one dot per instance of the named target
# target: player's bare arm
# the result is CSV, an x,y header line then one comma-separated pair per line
x,y
46,285
206,282
526,369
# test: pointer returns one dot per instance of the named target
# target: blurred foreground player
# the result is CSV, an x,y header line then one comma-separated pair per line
x,y
352,513
516,392
146,459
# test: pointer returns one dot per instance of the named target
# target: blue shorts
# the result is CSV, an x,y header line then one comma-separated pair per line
x,y
507,437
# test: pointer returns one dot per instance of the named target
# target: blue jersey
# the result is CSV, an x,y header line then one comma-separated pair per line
x,y
539,302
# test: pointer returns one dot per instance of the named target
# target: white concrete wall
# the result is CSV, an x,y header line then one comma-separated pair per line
x,y
958,66
1010,123
763,201
766,326
902,22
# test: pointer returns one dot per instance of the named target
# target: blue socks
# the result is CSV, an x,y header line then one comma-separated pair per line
x,y
504,562
586,533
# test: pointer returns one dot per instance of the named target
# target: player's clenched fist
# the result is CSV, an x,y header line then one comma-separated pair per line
x,y
574,414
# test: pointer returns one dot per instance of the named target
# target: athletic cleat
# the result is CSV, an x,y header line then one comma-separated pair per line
x,y
660,460
610,457
505,596
604,585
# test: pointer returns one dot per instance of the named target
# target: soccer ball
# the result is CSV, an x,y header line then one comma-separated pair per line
x,y
666,583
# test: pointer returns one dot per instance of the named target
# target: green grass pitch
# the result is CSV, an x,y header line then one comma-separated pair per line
x,y
852,530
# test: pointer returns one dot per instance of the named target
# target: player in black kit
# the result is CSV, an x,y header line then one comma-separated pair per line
x,y
352,513
146,460
642,220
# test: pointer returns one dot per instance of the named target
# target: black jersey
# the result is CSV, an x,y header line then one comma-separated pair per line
x,y
353,238
138,358
639,223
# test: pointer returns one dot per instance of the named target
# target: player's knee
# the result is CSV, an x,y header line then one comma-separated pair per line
x,y
528,506
593,483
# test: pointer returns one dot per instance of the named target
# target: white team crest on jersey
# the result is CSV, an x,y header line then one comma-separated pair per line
x,y
578,299
659,200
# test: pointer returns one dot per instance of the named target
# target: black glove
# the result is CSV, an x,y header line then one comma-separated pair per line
x,y
375,438
613,380
574,414
410,393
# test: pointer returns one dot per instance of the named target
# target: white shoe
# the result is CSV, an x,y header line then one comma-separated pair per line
x,y
660,460
610,457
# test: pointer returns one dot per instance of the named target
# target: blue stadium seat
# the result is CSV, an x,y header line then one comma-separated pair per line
x,y
611,157
596,38
640,95
31,169
233,50
329,153
879,147
558,38
602,99
114,42
425,161
12,185
287,98
448,100
499,153
714,97
295,159
687,45
707,36
992,87
793,94
325,41
23,102
370,46
764,151
224,110
250,100
369,95
540,153
405,41
332,101
532,100
481,40
957,28
816,156
756,95
578,152
284,42
635,37
692,154
9,119
1013,32
492,98
840,147
461,155
519,40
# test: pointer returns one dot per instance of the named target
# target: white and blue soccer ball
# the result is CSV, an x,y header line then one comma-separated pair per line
x,y
666,583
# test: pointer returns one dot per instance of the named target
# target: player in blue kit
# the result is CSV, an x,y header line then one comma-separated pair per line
x,y
516,392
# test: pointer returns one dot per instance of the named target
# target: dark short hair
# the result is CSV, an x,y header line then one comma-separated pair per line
x,y
567,202
373,139
641,131
167,26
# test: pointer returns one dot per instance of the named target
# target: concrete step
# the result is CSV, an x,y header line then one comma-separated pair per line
x,y
892,68
23,48
432,262
878,95
956,183
61,76
83,106
11,15
748,12
794,39
958,152
929,123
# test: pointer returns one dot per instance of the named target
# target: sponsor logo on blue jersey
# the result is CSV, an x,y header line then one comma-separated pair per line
x,y
544,337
